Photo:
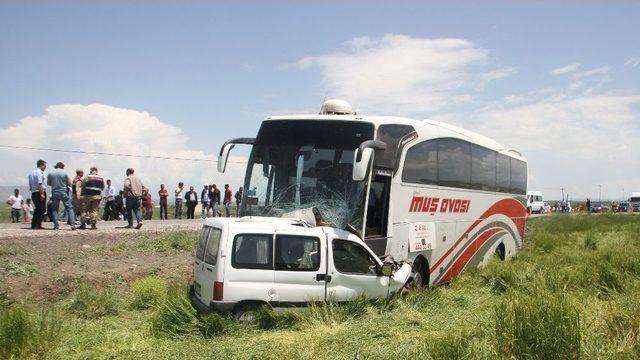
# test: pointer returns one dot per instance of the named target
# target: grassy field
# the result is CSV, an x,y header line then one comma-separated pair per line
x,y
573,292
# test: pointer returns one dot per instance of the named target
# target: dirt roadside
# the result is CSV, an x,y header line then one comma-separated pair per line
x,y
46,268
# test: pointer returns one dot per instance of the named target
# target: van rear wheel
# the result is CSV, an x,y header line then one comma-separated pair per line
x,y
246,313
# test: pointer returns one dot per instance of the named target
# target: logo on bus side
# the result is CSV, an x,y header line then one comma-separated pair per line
x,y
434,204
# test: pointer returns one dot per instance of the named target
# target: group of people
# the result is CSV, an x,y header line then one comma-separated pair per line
x,y
80,196
210,197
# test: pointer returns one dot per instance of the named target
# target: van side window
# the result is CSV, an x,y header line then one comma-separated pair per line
x,y
202,242
211,254
252,251
349,257
297,253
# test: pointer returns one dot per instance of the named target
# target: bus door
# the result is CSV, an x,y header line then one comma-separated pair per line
x,y
377,211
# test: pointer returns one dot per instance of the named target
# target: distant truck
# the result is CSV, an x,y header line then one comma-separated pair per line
x,y
634,202
535,204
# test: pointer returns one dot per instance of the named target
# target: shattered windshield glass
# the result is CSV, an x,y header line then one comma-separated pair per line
x,y
298,164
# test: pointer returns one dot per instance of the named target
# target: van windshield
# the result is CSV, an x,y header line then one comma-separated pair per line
x,y
297,164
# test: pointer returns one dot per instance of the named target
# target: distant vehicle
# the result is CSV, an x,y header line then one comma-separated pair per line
x,y
599,208
623,207
244,263
634,202
535,204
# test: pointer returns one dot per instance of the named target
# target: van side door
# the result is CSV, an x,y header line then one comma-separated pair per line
x,y
300,268
353,271
250,274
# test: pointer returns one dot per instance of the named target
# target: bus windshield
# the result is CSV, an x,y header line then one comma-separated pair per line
x,y
298,164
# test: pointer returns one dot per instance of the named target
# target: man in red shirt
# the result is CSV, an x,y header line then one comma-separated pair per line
x,y
164,194
227,199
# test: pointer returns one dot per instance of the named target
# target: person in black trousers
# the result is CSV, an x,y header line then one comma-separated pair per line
x,y
191,199
38,188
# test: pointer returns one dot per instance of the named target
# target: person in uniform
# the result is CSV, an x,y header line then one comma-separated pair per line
x,y
76,186
92,187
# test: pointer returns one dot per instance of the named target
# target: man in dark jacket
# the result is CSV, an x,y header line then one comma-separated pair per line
x,y
215,199
119,204
191,199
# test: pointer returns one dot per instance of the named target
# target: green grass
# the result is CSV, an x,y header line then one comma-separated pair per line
x,y
92,303
25,333
178,240
572,292
147,293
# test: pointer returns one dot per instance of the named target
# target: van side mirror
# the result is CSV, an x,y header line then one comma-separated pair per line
x,y
362,158
387,269
223,156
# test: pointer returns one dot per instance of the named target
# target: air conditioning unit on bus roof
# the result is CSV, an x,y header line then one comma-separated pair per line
x,y
336,107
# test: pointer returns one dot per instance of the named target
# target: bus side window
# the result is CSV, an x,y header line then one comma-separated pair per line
x,y
454,163
421,163
503,173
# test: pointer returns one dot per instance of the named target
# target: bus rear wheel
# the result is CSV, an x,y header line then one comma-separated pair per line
x,y
500,251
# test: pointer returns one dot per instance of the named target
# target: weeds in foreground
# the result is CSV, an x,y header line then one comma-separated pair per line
x,y
538,327
147,293
24,333
92,303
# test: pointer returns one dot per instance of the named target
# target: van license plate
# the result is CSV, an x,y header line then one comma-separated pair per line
x,y
197,288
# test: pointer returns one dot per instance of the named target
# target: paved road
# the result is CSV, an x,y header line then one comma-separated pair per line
x,y
8,230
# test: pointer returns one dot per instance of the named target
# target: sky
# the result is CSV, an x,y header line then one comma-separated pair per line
x,y
558,82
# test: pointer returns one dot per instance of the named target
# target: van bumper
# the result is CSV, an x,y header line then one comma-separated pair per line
x,y
223,307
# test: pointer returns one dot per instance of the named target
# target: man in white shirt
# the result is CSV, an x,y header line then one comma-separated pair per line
x,y
179,192
15,201
109,194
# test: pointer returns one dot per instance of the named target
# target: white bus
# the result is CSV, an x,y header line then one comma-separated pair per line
x,y
437,195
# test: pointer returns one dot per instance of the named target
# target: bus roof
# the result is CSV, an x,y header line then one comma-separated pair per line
x,y
424,128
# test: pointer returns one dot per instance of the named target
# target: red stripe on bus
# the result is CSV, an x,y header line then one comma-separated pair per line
x,y
468,253
509,207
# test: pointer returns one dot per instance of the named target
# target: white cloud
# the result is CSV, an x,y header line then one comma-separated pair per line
x,y
103,128
601,71
400,74
565,69
498,73
577,128
632,62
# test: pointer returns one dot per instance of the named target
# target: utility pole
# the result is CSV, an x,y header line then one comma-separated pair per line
x,y
622,194
600,193
562,189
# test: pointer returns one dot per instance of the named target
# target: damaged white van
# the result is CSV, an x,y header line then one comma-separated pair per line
x,y
242,264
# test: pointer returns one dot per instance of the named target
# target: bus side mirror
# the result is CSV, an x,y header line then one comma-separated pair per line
x,y
223,156
362,158
361,167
